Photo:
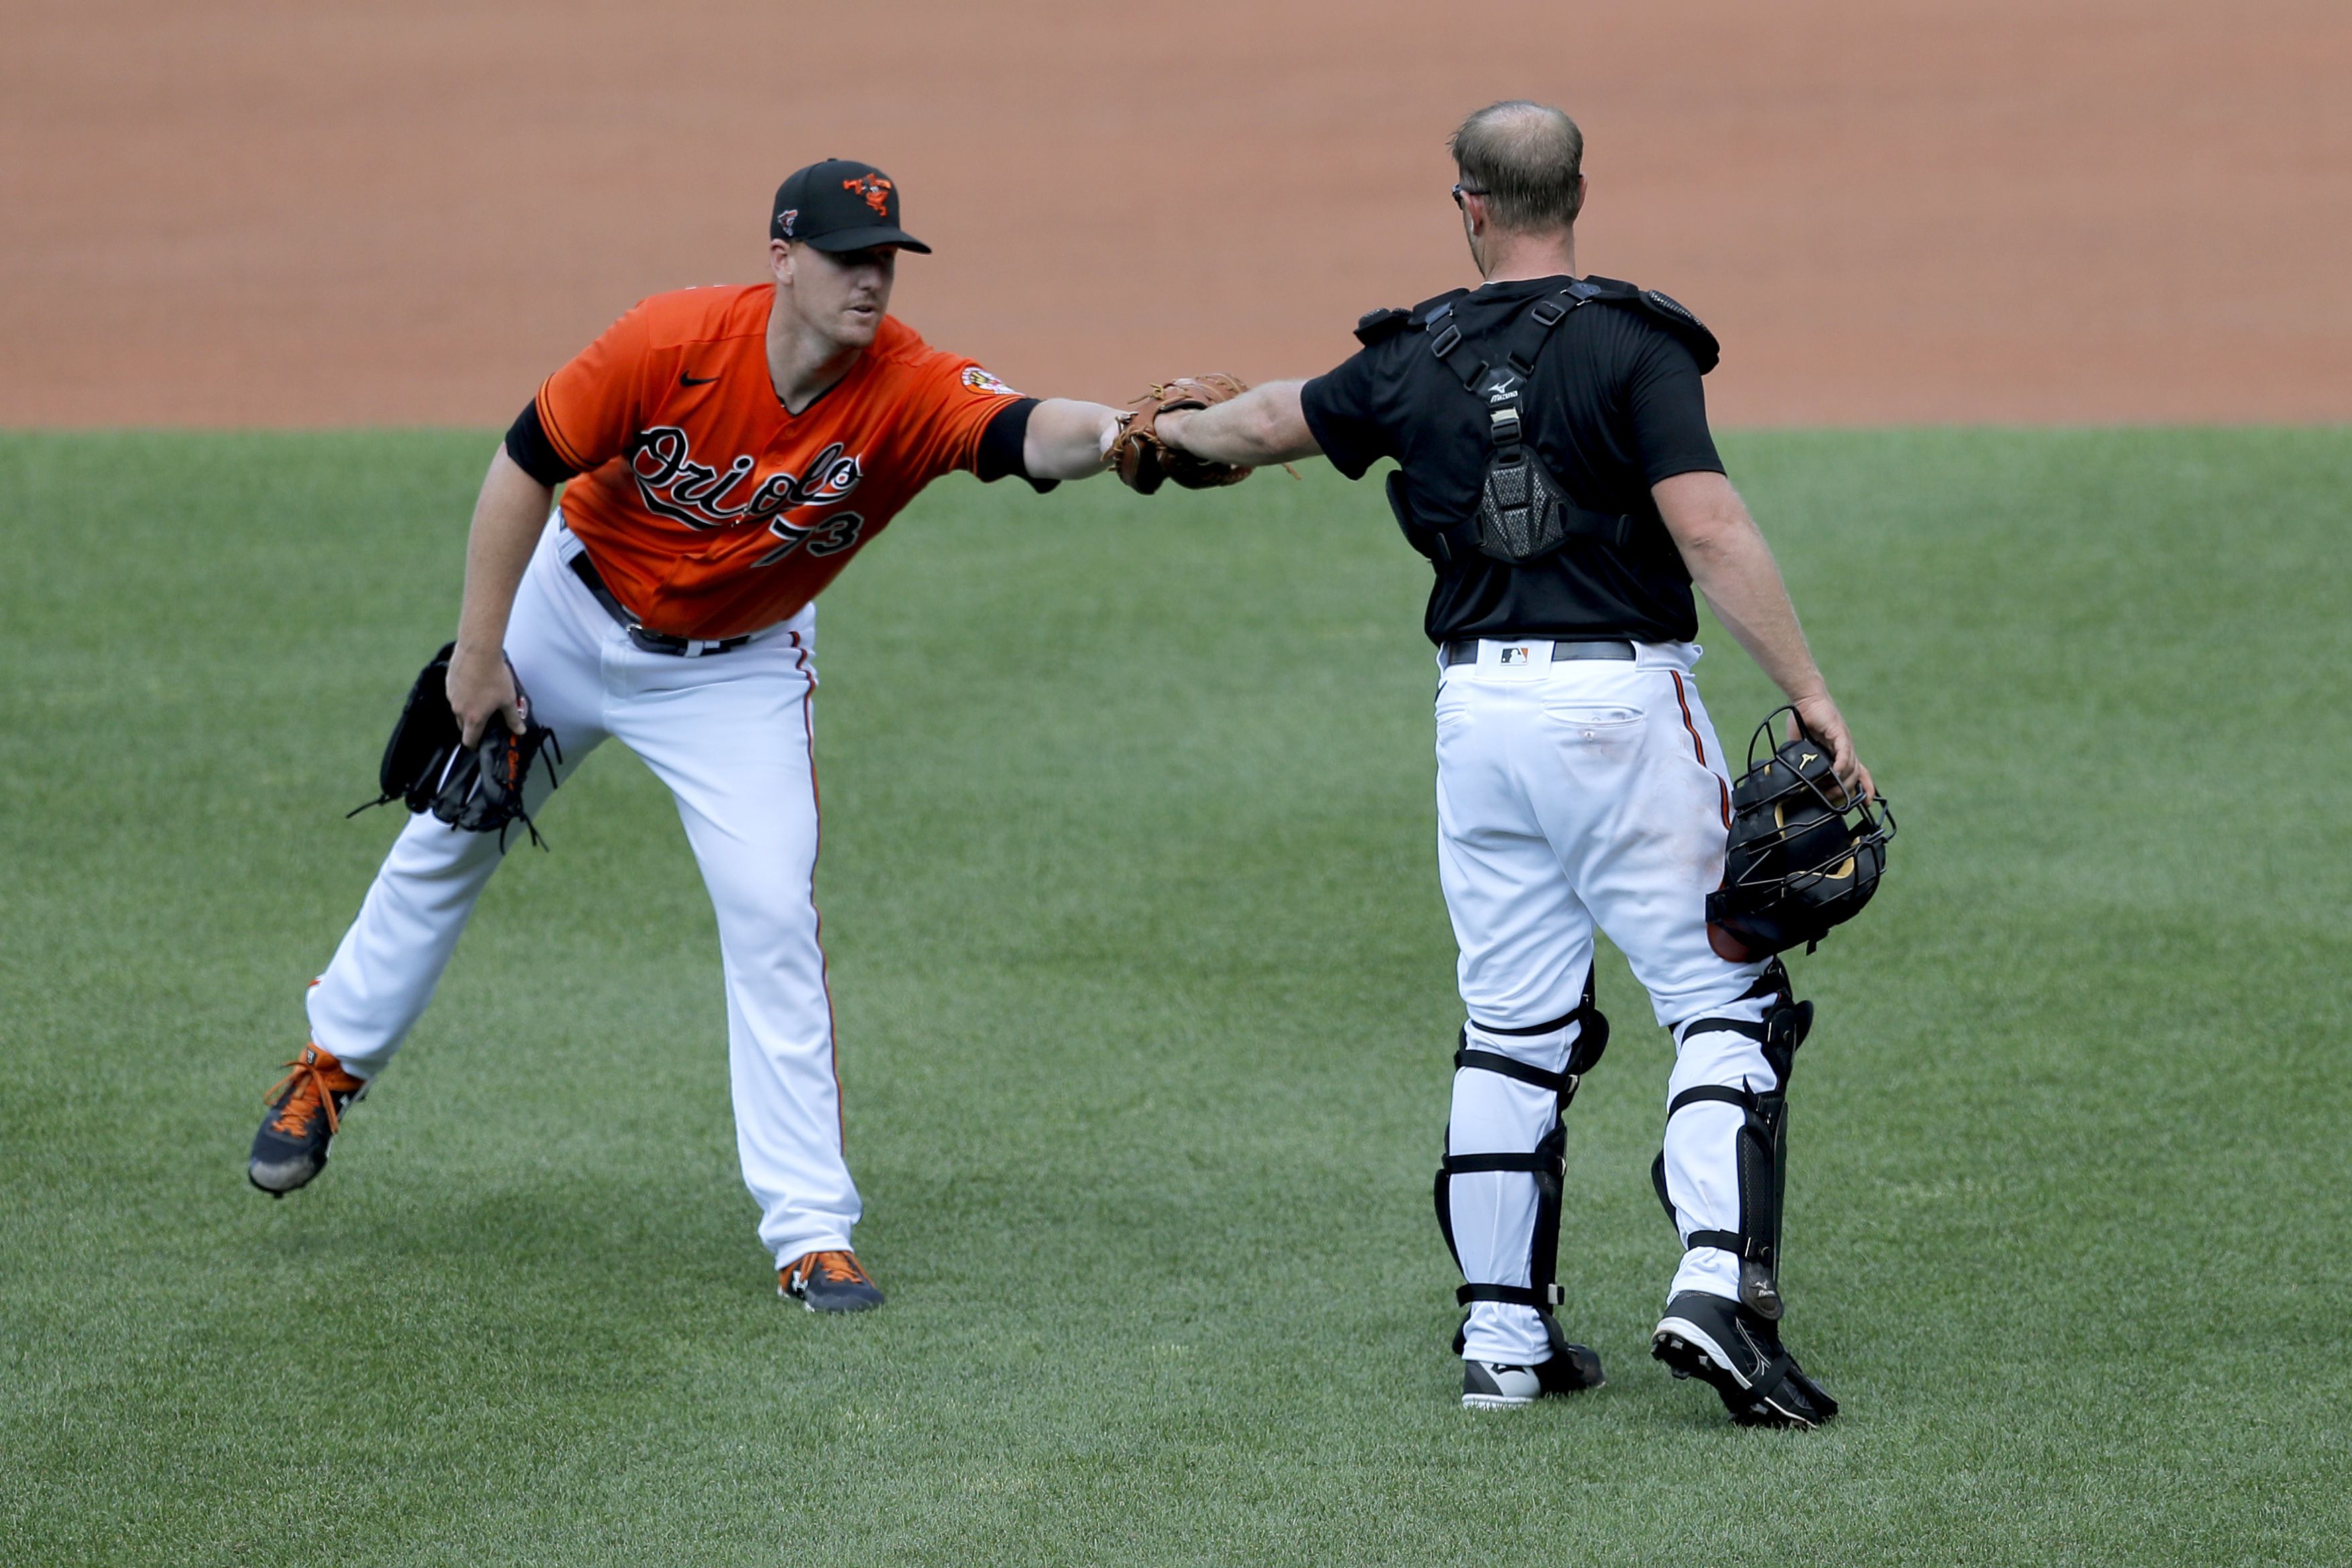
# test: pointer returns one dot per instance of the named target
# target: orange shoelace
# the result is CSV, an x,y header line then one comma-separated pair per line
x,y
316,1078
834,1266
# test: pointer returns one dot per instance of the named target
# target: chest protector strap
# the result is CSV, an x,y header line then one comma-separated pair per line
x,y
1524,512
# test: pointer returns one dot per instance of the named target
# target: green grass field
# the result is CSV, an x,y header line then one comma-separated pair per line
x,y
1145,997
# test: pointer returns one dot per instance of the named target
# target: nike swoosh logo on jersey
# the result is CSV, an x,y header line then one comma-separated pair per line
x,y
687,380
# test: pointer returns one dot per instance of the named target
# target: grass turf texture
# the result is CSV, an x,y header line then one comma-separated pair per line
x,y
1145,1002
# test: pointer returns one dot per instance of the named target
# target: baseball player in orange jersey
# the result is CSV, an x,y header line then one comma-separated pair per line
x,y
728,451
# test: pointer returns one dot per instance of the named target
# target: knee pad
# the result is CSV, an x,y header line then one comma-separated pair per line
x,y
1759,1148
1543,1164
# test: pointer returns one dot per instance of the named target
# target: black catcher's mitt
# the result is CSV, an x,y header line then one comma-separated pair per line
x,y
479,788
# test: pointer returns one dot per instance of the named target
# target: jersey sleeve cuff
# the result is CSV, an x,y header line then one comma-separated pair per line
x,y
529,445
1665,469
1344,456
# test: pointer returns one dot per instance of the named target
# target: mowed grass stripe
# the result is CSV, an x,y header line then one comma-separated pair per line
x,y
1145,1002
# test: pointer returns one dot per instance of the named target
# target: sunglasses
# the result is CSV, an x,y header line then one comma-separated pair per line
x,y
1461,191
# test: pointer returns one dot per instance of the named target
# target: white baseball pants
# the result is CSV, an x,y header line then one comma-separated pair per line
x,y
1571,795
730,733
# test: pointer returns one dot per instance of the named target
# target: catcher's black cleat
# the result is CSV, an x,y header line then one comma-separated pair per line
x,y
828,1282
305,1113
1571,1371
1739,1353
1492,1385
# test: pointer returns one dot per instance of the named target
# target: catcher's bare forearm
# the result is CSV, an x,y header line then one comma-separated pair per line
x,y
1066,438
1262,426
1732,566
508,517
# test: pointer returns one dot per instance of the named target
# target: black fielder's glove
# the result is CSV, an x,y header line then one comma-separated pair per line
x,y
428,765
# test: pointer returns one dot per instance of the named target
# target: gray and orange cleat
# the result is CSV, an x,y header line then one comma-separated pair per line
x,y
306,1112
830,1282
1739,1353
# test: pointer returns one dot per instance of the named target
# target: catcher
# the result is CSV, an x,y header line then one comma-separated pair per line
x,y
1554,466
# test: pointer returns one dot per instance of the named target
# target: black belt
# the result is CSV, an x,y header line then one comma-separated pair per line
x,y
1465,650
651,641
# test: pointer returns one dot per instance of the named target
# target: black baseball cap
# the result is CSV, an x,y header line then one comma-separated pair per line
x,y
840,205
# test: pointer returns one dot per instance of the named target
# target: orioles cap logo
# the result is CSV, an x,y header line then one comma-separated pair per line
x,y
875,189
785,219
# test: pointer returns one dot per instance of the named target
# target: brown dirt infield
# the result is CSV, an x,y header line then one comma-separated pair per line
x,y
1893,211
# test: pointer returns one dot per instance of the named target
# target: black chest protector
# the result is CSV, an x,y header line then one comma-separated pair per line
x,y
1524,512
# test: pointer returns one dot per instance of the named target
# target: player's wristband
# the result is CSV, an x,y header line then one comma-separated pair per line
x,y
1004,445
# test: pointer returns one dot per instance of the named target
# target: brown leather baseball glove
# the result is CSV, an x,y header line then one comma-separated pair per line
x,y
1144,461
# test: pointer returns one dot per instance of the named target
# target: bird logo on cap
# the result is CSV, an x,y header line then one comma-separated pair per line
x,y
875,189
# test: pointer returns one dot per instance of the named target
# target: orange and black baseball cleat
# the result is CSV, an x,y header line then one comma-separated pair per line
x,y
828,1282
306,1111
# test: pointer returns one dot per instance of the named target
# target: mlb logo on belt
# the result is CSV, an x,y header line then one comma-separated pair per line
x,y
1519,655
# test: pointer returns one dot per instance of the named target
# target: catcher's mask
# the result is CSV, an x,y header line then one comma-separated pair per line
x,y
1803,856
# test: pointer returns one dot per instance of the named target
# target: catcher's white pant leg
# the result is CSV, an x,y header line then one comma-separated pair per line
x,y
1569,793
731,736
1646,882
390,960
1525,943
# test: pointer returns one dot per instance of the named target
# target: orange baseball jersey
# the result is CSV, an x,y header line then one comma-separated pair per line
x,y
709,509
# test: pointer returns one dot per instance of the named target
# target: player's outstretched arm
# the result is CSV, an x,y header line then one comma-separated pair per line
x,y
1066,438
508,517
1731,564
1262,426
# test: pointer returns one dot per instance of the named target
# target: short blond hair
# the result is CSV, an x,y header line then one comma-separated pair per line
x,y
1528,160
